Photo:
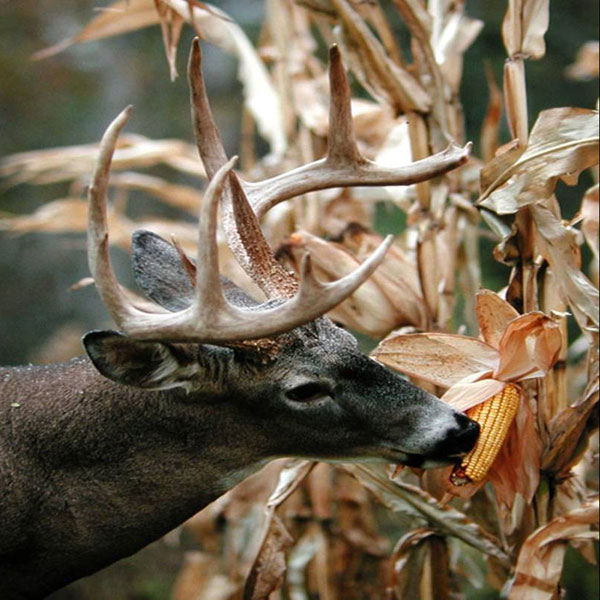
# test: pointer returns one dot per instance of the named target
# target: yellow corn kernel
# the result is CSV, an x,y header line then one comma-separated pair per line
x,y
495,417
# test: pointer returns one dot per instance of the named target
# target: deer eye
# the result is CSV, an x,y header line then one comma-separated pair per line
x,y
307,392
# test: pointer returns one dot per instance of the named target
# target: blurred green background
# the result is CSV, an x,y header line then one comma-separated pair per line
x,y
70,98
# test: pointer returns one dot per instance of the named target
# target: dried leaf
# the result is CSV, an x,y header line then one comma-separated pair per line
x,y
564,141
396,276
440,358
570,429
268,568
367,310
590,217
558,246
540,561
199,579
383,78
451,36
396,494
586,63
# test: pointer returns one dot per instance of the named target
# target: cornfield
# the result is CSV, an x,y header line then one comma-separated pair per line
x,y
527,337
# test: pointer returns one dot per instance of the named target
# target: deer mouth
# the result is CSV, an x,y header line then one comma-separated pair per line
x,y
422,461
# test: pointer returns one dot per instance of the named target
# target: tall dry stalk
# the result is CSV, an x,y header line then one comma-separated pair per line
x,y
300,530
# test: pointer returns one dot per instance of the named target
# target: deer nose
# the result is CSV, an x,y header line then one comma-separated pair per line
x,y
461,439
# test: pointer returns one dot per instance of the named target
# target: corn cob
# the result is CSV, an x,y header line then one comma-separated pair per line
x,y
495,417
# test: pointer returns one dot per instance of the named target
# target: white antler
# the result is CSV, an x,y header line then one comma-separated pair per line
x,y
211,318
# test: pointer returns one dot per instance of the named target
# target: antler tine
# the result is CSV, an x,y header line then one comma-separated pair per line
x,y
342,142
240,224
344,166
209,294
99,261
315,295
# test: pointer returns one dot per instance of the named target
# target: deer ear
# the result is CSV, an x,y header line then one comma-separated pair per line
x,y
148,365
158,271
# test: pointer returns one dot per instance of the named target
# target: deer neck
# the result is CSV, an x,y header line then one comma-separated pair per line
x,y
103,453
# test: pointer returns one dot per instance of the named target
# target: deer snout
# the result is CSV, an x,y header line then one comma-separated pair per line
x,y
460,439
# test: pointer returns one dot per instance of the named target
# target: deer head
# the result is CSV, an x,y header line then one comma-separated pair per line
x,y
303,375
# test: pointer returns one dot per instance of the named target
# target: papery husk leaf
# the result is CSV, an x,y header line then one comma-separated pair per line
x,y
540,561
559,247
493,315
397,494
440,358
468,393
383,78
216,27
529,347
524,27
516,469
563,141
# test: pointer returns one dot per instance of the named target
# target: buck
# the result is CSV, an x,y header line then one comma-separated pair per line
x,y
104,454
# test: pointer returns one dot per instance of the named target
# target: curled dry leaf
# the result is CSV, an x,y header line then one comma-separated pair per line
x,y
563,142
559,247
420,565
589,227
541,558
